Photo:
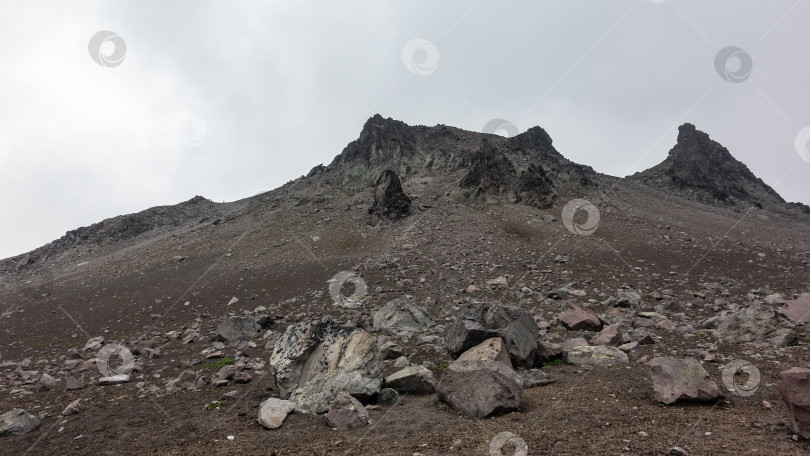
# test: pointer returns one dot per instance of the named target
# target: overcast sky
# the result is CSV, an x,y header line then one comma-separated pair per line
x,y
226,100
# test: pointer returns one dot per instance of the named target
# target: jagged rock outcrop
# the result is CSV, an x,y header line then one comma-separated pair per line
x,y
390,201
702,169
492,178
534,148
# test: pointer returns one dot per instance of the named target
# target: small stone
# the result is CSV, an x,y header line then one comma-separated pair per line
x,y
401,362
73,408
114,380
273,412
241,377
535,377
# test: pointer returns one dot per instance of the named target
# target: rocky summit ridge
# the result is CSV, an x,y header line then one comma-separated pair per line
x,y
700,168
484,169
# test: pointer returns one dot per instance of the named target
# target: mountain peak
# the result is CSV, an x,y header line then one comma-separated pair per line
x,y
702,169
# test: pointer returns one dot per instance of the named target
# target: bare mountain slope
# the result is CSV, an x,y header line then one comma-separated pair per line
x,y
658,265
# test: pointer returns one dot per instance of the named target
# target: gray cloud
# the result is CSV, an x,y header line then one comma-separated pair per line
x,y
279,88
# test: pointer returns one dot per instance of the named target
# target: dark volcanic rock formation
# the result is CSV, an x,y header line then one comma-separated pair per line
x,y
493,178
701,169
390,201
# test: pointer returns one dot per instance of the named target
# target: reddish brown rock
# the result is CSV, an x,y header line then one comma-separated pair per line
x,y
798,310
795,390
610,335
577,318
346,412
481,381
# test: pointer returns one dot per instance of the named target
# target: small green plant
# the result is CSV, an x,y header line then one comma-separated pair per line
x,y
442,367
216,404
556,362
220,364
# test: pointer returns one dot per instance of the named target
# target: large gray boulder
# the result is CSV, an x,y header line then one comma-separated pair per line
x,y
235,329
479,321
401,317
17,421
316,359
481,381
754,324
682,380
